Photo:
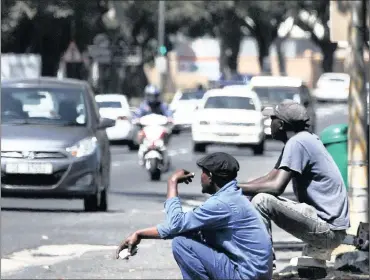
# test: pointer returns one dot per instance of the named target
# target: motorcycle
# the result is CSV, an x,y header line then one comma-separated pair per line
x,y
154,135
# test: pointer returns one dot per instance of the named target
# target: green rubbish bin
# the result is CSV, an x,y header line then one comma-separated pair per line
x,y
335,139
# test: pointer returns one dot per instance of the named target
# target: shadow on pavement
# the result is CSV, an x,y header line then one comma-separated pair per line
x,y
50,210
161,197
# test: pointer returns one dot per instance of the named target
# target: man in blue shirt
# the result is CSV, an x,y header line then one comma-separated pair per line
x,y
224,238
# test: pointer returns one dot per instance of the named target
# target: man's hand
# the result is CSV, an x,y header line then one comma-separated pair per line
x,y
130,243
182,176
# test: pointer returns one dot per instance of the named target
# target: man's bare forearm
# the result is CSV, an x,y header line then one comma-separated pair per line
x,y
148,233
172,190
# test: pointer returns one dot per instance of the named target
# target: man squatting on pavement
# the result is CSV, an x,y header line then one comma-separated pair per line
x,y
321,216
225,238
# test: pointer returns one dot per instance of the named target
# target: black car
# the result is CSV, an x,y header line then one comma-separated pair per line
x,y
54,143
273,90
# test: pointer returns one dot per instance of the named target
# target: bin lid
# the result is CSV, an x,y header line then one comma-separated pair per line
x,y
334,133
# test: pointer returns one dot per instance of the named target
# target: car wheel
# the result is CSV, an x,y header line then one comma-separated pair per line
x,y
176,131
132,146
259,149
91,203
199,148
103,205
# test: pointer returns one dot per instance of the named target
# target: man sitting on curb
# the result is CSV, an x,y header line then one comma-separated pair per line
x,y
320,217
222,239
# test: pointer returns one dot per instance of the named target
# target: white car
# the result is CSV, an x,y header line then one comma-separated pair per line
x,y
229,116
183,106
116,107
272,90
332,87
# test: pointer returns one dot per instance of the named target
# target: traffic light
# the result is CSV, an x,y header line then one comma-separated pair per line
x,y
162,50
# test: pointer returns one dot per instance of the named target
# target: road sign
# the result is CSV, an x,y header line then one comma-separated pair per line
x,y
101,40
72,55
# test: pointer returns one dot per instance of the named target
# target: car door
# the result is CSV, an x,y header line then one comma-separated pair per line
x,y
101,136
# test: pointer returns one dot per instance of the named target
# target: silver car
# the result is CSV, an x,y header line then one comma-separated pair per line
x,y
53,142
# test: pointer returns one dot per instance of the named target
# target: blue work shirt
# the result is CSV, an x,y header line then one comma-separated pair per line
x,y
229,223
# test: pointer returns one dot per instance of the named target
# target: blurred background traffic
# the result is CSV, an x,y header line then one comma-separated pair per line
x,y
78,76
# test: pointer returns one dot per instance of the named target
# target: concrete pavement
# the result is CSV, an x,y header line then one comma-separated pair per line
x,y
55,239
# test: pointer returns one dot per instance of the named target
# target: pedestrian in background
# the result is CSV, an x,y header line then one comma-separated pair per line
x,y
224,238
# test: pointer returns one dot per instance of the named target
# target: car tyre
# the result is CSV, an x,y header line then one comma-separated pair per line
x,y
96,202
103,205
91,203
132,146
199,148
259,149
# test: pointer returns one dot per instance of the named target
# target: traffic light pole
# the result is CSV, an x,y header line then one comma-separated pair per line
x,y
358,129
161,36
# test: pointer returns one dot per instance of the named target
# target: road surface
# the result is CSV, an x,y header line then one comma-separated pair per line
x,y
44,239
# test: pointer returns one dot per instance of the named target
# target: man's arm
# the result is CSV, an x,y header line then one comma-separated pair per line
x,y
264,178
274,185
148,233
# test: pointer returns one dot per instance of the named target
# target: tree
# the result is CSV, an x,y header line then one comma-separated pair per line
x,y
264,19
313,17
138,22
47,27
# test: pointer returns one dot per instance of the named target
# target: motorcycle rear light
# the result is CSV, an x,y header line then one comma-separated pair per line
x,y
122,118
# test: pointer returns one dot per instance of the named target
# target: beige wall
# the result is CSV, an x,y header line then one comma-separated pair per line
x,y
307,67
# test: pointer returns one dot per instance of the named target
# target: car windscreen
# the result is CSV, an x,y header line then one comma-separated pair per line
x,y
230,102
191,95
39,105
275,94
109,104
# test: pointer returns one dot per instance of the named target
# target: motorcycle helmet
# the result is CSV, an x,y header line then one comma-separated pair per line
x,y
152,94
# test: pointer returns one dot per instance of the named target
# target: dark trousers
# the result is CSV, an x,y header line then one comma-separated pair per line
x,y
198,261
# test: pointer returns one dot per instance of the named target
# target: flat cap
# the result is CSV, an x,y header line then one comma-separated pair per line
x,y
289,111
220,164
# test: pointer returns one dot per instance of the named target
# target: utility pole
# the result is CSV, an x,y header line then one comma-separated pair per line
x,y
358,130
161,36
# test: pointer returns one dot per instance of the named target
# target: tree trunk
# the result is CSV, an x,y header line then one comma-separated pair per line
x,y
135,81
263,55
229,53
230,38
328,49
281,56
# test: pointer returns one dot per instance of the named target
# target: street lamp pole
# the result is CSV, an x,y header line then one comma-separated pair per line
x,y
161,36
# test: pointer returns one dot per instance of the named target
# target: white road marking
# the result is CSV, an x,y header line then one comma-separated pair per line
x,y
46,256
172,153
45,237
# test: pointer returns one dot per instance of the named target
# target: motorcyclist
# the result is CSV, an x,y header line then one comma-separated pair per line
x,y
152,104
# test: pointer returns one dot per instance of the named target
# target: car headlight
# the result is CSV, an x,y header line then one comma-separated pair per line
x,y
84,147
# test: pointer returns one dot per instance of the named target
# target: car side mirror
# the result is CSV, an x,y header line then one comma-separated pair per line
x,y
105,123
306,103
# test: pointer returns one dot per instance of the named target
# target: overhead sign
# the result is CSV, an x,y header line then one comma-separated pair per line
x,y
100,51
72,55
